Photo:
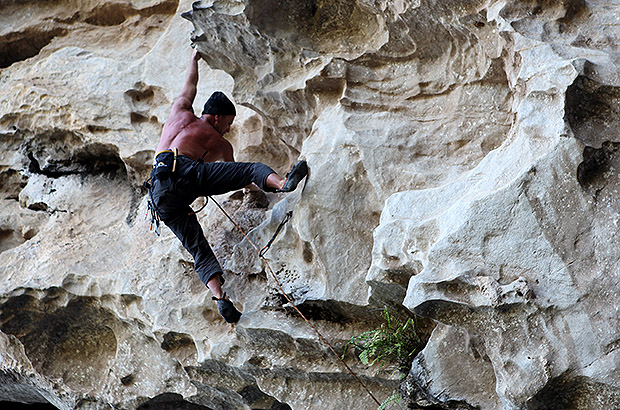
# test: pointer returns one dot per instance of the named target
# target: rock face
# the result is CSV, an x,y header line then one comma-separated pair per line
x,y
463,158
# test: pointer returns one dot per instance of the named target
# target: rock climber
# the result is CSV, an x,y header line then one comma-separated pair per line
x,y
185,168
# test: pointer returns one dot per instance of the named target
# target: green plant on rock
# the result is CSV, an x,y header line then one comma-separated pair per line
x,y
393,344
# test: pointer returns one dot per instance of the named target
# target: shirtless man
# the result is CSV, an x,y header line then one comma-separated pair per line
x,y
186,168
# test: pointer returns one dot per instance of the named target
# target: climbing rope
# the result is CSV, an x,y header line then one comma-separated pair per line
x,y
261,255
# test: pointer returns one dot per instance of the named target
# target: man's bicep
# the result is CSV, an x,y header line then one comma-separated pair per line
x,y
227,153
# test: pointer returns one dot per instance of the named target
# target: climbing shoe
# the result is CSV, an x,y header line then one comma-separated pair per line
x,y
227,310
299,171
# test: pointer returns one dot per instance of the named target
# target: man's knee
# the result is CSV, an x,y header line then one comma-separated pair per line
x,y
208,277
259,175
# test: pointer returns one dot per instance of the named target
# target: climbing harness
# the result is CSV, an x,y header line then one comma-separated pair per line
x,y
261,253
151,211
278,229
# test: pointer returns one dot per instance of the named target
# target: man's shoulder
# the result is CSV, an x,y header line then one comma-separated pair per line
x,y
183,117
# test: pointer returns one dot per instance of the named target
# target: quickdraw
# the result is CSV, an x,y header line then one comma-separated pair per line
x,y
155,221
286,218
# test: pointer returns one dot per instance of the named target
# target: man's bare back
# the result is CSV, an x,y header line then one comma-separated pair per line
x,y
195,137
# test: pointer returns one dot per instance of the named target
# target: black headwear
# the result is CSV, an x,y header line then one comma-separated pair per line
x,y
219,104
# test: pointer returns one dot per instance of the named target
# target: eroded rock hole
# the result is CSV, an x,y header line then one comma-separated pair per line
x,y
599,168
179,345
11,183
572,9
10,239
593,111
322,24
173,340
109,14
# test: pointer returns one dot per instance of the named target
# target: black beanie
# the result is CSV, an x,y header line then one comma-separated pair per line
x,y
219,104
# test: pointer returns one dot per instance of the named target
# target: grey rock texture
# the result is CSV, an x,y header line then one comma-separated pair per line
x,y
463,165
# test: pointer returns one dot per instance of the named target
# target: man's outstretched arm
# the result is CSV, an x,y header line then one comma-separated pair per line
x,y
185,100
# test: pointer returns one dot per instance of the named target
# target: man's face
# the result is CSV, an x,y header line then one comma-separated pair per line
x,y
223,122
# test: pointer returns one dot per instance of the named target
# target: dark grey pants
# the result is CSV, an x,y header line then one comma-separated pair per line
x,y
172,193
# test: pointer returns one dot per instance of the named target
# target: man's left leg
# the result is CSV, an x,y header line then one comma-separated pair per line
x,y
186,227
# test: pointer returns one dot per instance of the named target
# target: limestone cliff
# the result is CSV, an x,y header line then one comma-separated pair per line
x,y
463,163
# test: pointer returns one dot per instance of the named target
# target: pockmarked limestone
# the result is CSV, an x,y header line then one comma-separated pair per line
x,y
463,162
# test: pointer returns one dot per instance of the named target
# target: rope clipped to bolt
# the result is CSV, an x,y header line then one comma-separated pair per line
x,y
261,254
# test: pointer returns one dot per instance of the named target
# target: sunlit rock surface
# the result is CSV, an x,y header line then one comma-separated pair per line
x,y
463,164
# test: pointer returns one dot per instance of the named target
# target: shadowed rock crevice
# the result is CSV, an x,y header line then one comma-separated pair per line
x,y
180,345
22,406
171,401
59,153
13,236
573,392
337,312
72,342
42,22
112,14
570,10
20,46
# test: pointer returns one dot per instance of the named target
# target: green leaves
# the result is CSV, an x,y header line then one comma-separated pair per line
x,y
394,343
393,399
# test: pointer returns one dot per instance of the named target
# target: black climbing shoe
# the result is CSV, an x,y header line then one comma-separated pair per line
x,y
299,171
227,309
